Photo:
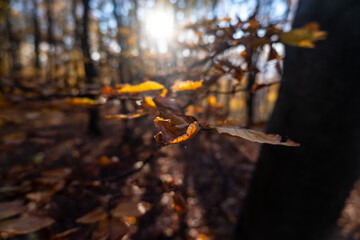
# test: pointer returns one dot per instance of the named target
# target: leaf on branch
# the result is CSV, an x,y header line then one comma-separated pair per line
x,y
81,101
25,225
127,116
304,36
142,87
170,109
186,85
148,102
256,136
92,217
9,209
171,133
108,91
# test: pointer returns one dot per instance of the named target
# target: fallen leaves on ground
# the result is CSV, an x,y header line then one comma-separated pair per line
x,y
9,209
25,225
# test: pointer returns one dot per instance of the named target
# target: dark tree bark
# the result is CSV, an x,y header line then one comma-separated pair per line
x,y
36,35
298,193
90,71
13,44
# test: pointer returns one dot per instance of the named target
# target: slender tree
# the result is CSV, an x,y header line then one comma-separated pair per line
x,y
298,193
36,34
90,71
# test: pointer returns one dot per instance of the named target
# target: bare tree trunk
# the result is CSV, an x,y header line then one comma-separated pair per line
x,y
14,46
298,193
36,35
90,71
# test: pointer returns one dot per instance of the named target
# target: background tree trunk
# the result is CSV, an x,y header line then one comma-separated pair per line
x,y
90,71
298,193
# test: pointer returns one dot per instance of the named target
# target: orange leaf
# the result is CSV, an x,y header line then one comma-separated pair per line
x,y
142,87
186,85
190,132
178,203
127,116
171,134
148,102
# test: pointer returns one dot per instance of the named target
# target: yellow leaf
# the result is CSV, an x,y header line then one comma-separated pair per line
x,y
186,85
256,136
142,87
190,132
127,116
148,102
304,36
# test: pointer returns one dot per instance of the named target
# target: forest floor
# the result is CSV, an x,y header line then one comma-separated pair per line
x,y
192,190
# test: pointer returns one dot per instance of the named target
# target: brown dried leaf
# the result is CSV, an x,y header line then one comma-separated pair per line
x,y
58,173
256,136
66,233
9,209
142,87
25,225
127,209
39,196
171,134
92,217
170,109
178,203
115,229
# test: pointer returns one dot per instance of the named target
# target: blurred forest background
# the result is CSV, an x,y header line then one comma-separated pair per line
x,y
67,172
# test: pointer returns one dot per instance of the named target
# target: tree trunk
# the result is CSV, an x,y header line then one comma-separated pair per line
x,y
298,193
36,35
90,71
14,46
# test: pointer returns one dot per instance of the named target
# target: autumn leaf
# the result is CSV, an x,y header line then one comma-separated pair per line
x,y
127,209
108,90
115,229
66,234
148,102
9,209
142,87
92,217
186,85
178,203
170,109
81,101
25,225
256,136
303,37
136,114
171,134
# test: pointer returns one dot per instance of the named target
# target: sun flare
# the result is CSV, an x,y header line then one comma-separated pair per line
x,y
159,25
